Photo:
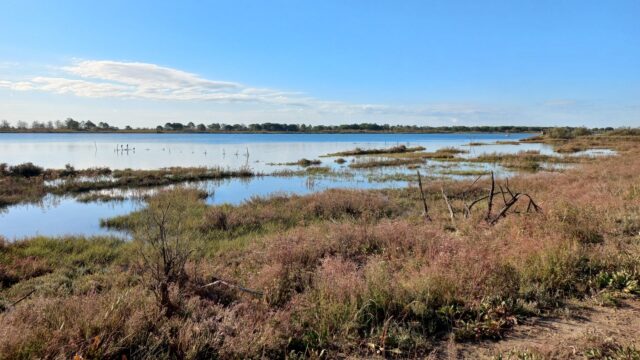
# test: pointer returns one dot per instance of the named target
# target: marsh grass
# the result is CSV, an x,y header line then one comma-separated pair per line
x,y
343,272
311,171
507,142
145,178
392,150
463,172
28,186
301,162
375,163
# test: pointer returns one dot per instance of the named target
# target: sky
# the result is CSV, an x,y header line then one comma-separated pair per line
x,y
430,63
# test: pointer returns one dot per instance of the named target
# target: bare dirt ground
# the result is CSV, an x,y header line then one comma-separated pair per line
x,y
586,331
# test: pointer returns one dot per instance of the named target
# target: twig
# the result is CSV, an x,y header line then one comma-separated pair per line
x,y
448,205
241,288
467,210
506,208
424,200
504,199
536,207
507,186
24,297
473,183
474,202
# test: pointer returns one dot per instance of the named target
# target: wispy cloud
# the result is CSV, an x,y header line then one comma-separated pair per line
x,y
137,80
143,81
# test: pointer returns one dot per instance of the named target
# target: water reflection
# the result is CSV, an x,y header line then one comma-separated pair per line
x,y
152,151
65,215
62,215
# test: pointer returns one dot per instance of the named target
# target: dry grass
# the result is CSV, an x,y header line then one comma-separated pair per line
x,y
374,163
343,273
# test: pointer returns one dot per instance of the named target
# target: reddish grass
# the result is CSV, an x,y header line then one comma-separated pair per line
x,y
356,273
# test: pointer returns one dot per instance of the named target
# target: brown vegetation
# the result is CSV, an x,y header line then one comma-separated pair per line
x,y
336,274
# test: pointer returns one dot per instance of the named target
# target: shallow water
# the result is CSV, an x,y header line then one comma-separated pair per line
x,y
58,216
152,151
64,215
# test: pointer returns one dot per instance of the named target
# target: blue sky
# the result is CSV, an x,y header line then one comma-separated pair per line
x,y
400,62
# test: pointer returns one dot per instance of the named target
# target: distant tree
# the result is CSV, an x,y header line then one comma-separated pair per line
x,y
128,127
159,128
22,125
71,124
201,127
104,125
89,125
37,125
214,126
5,125
191,125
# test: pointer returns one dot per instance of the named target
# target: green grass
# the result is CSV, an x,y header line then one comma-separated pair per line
x,y
385,163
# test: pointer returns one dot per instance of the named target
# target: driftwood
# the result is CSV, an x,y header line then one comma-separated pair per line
x,y
234,286
424,199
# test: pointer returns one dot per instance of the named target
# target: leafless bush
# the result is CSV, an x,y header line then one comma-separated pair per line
x,y
165,245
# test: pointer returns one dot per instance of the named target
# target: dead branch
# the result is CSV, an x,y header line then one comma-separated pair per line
x,y
22,298
464,193
446,200
490,204
506,208
532,203
467,211
478,200
514,199
234,286
507,187
424,199
504,198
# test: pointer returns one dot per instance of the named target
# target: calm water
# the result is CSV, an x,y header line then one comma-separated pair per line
x,y
64,215
152,151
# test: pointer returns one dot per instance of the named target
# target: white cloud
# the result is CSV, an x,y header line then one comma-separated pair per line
x,y
145,75
136,80
145,81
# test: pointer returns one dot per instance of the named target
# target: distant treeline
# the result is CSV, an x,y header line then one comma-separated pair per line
x,y
71,125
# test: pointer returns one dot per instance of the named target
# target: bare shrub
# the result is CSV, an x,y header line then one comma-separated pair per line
x,y
165,245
